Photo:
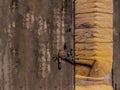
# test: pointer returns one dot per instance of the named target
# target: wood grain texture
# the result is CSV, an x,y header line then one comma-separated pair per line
x,y
92,6
32,32
93,38
116,64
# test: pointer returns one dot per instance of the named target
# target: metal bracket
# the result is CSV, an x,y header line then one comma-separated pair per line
x,y
63,55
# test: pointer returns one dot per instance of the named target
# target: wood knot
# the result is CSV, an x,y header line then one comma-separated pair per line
x,y
86,25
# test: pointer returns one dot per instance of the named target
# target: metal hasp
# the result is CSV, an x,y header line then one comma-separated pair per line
x,y
68,56
64,55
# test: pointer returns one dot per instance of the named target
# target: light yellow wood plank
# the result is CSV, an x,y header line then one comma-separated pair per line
x,y
95,87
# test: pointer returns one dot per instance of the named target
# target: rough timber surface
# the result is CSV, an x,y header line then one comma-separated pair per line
x,y
31,33
116,64
93,44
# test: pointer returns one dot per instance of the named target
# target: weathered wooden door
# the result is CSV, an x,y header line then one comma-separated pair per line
x,y
31,33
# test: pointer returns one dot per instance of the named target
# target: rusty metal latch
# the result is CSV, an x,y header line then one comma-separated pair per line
x,y
64,55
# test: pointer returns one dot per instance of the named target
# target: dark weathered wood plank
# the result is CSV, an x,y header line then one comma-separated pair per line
x,y
32,32
116,64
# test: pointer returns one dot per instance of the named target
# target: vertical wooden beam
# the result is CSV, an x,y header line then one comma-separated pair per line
x,y
116,64
93,43
32,32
